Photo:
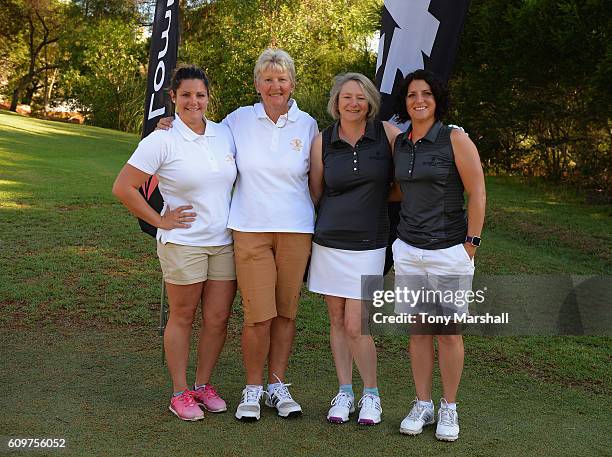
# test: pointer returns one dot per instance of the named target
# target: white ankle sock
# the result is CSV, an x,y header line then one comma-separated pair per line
x,y
273,387
427,403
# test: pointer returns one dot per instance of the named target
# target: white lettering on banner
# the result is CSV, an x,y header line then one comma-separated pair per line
x,y
415,33
160,70
160,66
154,113
164,35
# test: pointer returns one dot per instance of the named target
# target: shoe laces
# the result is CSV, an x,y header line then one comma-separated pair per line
x,y
210,392
281,391
417,411
370,401
186,398
448,417
342,399
252,394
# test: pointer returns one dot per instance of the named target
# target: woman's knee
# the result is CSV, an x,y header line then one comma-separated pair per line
x,y
335,311
181,315
450,340
258,327
352,327
421,340
336,319
217,321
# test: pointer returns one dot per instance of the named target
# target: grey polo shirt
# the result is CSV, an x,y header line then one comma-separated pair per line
x,y
432,214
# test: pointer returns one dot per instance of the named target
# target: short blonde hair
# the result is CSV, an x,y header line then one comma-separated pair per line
x,y
276,59
369,90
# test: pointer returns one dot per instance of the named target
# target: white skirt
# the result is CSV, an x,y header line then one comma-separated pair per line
x,y
338,272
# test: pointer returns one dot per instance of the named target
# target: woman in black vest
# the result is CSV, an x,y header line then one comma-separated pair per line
x,y
351,173
434,165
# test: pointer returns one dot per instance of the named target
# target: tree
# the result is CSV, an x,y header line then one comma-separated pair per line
x,y
95,10
530,88
107,78
324,37
33,47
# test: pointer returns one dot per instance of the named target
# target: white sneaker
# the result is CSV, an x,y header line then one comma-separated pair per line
x,y
249,408
448,423
417,418
342,405
370,411
283,402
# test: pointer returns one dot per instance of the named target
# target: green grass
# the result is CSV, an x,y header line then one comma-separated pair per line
x,y
79,295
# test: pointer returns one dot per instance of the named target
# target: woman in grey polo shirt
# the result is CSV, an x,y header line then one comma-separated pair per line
x,y
437,239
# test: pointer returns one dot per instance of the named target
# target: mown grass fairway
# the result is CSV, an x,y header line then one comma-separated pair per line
x,y
79,295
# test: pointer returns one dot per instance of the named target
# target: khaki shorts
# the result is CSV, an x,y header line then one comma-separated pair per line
x,y
270,268
183,265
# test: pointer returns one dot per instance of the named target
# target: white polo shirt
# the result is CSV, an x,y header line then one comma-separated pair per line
x,y
192,169
273,160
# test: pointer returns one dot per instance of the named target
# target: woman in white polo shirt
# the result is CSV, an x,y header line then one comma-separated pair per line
x,y
272,218
195,164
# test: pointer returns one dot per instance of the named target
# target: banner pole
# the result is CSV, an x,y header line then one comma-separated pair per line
x,y
162,319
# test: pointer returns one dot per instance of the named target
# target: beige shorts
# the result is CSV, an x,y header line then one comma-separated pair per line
x,y
183,265
270,268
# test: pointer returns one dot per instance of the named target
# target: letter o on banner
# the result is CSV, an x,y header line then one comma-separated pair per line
x,y
160,66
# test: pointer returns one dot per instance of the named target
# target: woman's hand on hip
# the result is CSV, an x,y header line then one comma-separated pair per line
x,y
177,218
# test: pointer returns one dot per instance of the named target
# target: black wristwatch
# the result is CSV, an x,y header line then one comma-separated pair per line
x,y
473,240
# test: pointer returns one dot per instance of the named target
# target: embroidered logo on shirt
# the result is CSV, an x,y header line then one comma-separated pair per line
x,y
297,144
229,158
436,162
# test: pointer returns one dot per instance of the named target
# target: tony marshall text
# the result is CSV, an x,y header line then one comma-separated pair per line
x,y
424,318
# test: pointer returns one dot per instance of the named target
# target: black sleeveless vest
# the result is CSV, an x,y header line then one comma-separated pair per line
x,y
353,209
432,214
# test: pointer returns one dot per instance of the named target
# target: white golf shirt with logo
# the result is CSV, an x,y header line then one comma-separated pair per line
x,y
273,161
192,169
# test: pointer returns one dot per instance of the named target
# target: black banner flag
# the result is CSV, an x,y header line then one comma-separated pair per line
x,y
162,60
415,34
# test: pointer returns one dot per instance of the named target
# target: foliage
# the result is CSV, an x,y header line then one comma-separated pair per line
x,y
532,86
30,30
107,76
531,83
125,10
324,37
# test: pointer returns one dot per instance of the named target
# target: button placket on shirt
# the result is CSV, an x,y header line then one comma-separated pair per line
x,y
356,159
412,159
212,160
275,139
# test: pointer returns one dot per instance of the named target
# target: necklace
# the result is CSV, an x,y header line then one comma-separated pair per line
x,y
352,141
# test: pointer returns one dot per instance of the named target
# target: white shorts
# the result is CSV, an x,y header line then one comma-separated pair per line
x,y
443,275
338,272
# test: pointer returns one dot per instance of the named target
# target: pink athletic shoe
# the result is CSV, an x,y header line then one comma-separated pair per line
x,y
208,397
185,407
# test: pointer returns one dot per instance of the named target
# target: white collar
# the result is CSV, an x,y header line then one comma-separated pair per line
x,y
292,113
187,133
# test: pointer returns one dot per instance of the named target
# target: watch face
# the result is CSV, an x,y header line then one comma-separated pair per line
x,y
476,241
